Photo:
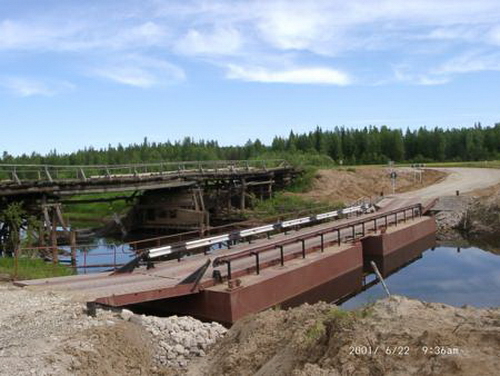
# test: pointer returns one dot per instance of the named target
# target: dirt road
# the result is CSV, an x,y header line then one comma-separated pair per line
x,y
462,179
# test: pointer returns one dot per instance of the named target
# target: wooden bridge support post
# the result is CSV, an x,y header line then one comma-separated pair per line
x,y
53,238
228,202
41,235
243,193
72,242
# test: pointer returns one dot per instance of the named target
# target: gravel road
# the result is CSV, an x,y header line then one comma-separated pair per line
x,y
462,179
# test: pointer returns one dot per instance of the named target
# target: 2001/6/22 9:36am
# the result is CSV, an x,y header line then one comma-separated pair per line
x,y
402,350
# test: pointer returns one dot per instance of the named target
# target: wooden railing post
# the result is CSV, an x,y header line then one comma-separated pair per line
x,y
16,263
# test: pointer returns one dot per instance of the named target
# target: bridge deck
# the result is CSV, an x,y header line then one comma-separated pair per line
x,y
163,281
66,180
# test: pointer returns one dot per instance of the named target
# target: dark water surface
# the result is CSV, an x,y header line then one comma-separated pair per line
x,y
455,276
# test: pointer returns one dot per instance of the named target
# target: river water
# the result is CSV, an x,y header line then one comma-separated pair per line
x,y
450,275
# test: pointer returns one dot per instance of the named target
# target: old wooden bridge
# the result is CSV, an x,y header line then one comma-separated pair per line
x,y
29,180
174,196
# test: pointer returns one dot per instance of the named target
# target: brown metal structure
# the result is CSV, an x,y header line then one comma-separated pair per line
x,y
320,262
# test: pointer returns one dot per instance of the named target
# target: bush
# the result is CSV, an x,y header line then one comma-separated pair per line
x,y
283,204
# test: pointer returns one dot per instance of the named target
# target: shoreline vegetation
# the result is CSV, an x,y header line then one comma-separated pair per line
x,y
31,268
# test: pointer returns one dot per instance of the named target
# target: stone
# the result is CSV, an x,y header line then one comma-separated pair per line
x,y
179,349
136,320
126,314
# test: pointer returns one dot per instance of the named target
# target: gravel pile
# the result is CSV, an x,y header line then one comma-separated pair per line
x,y
33,324
178,339
45,333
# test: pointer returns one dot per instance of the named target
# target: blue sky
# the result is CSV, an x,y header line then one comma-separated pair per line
x,y
80,73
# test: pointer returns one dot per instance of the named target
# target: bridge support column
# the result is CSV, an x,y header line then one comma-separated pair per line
x,y
243,193
72,242
53,238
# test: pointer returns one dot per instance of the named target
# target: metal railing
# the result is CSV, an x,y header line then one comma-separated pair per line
x,y
391,217
252,232
114,256
19,173
99,257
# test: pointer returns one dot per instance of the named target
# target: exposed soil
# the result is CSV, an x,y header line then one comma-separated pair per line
x,y
43,333
346,185
393,337
122,349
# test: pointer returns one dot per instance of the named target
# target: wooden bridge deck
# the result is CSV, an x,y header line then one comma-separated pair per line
x,y
19,180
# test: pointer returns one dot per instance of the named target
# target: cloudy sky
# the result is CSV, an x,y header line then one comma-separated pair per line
x,y
78,73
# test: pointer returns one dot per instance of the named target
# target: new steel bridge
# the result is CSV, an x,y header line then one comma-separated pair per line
x,y
319,257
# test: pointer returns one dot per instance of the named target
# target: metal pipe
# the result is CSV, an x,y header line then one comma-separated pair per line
x,y
282,257
228,269
303,248
257,265
322,242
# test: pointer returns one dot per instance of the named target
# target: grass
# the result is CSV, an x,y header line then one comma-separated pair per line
x,y
335,314
93,214
478,164
334,317
29,268
282,204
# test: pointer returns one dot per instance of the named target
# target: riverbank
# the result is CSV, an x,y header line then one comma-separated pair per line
x,y
474,216
396,336
45,333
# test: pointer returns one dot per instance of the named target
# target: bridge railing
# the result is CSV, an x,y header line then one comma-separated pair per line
x,y
19,173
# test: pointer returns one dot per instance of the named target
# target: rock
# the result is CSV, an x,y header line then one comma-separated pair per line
x,y
179,349
126,314
179,339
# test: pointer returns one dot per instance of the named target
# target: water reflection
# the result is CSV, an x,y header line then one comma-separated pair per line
x,y
101,255
450,275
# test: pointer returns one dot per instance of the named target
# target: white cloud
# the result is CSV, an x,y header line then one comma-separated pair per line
x,y
296,25
29,36
140,72
27,87
310,75
78,35
404,73
247,34
472,61
494,35
222,41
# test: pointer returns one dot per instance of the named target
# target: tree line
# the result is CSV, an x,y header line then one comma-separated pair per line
x,y
340,145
